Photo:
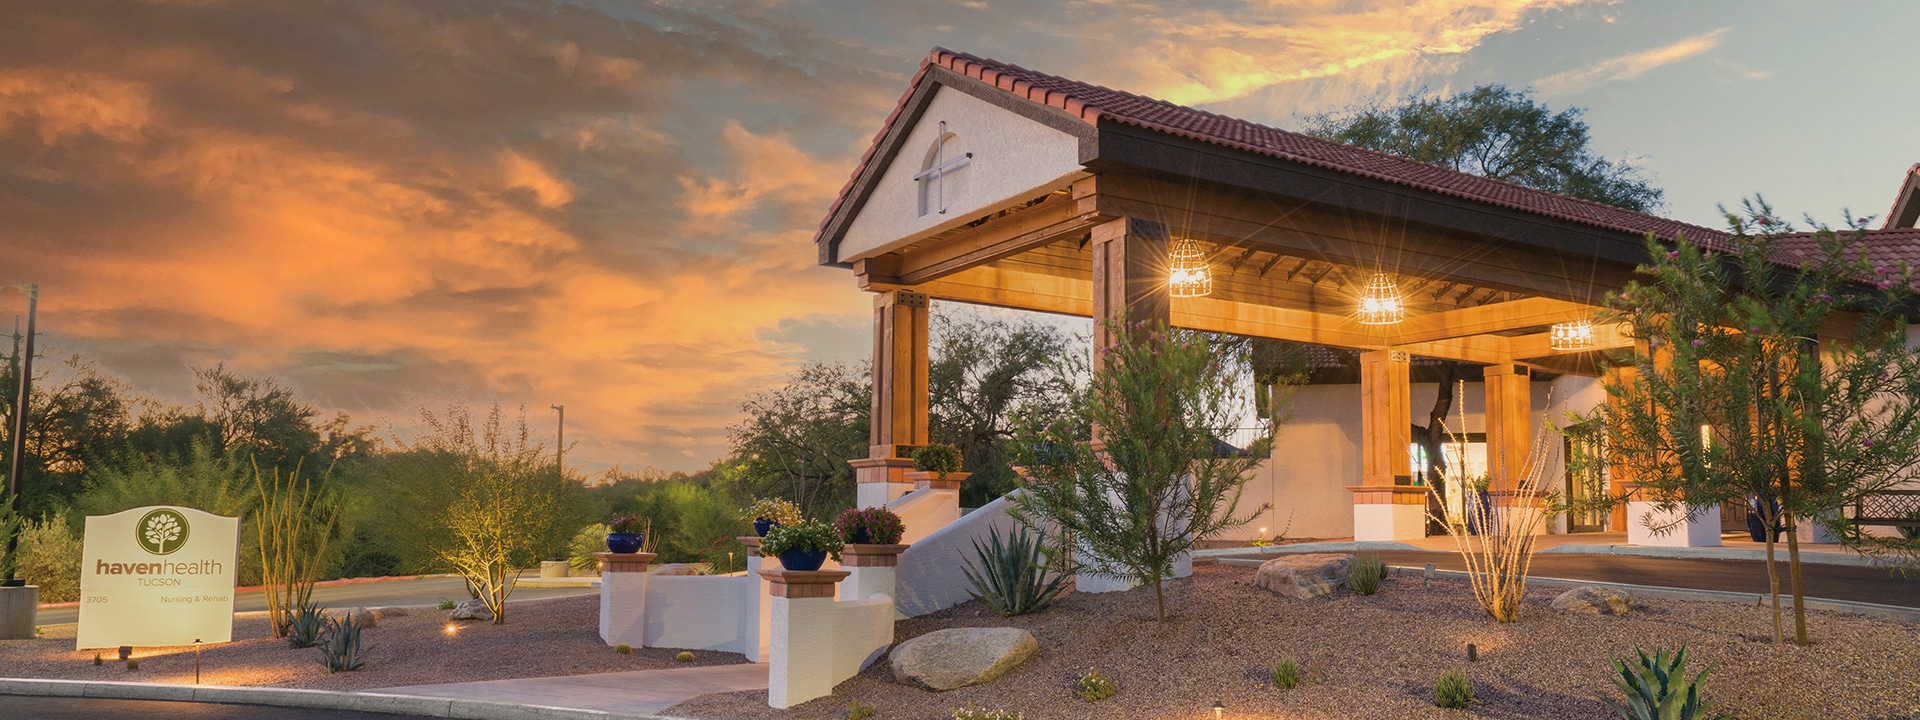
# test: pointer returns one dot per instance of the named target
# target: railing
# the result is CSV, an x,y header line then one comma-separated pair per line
x,y
1896,508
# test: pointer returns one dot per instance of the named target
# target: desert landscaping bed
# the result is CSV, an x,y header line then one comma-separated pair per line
x,y
541,638
1379,656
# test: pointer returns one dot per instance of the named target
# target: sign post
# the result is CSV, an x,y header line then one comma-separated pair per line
x,y
157,577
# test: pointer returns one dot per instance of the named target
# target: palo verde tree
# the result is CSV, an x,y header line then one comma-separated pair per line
x,y
1159,480
1774,367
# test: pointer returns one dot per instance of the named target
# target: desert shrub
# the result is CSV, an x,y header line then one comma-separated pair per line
x,y
623,649
1012,574
1286,674
208,480
979,713
591,539
445,604
725,555
340,648
1453,690
937,458
1095,686
305,624
684,656
133,663
49,556
1657,688
857,710
1365,573
295,524
694,518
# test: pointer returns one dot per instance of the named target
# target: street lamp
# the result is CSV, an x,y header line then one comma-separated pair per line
x,y
560,440
19,436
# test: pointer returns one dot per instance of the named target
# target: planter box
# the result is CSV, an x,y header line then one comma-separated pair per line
x,y
924,480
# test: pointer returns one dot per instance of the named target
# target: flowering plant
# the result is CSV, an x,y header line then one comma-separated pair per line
x,y
626,524
780,512
882,526
809,536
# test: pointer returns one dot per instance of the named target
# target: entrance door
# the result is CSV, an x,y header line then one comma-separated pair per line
x,y
1586,478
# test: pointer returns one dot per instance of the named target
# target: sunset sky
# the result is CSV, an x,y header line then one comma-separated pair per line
x,y
610,204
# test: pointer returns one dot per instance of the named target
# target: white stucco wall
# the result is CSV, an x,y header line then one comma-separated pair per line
x,y
930,576
705,612
1014,160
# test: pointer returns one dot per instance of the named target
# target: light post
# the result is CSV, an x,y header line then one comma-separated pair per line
x,y
560,441
18,437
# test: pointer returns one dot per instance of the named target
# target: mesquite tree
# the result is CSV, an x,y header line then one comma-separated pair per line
x,y
1775,368
1157,480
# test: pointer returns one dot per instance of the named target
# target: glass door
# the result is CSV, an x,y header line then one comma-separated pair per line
x,y
1586,454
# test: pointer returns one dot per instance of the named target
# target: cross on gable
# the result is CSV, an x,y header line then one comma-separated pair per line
x,y
937,170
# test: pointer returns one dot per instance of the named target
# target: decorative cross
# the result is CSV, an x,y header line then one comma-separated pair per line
x,y
942,166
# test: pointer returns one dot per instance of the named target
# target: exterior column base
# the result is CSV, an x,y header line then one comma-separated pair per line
x,y
1386,513
19,611
881,480
1700,529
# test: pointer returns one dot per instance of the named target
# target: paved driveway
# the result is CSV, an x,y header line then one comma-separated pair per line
x,y
384,593
46,708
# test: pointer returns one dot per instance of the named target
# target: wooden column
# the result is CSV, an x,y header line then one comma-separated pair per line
x,y
1129,276
1620,478
1509,423
899,419
1385,416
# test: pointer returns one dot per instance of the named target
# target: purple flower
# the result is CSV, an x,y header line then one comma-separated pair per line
x,y
1868,443
1697,342
1673,254
1884,285
1880,270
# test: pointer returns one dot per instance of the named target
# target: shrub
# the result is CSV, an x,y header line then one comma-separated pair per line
x,y
1094,686
591,539
445,604
937,458
882,525
781,512
809,536
340,649
305,624
857,710
97,661
623,649
133,664
1365,573
684,656
49,557
1657,688
1453,690
1286,675
979,713
1012,576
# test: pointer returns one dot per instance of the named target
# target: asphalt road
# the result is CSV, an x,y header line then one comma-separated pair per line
x,y
1831,582
385,593
45,708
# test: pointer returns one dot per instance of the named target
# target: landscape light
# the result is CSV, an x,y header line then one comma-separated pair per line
x,y
1380,302
452,629
1576,335
1217,709
1188,274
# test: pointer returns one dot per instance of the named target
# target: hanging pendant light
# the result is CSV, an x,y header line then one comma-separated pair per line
x,y
1188,274
1380,302
1568,336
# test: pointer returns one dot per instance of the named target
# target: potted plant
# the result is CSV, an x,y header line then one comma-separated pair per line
x,y
869,526
803,546
1479,504
769,513
937,465
626,534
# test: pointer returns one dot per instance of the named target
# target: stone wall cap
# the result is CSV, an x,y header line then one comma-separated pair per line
x,y
804,577
872,549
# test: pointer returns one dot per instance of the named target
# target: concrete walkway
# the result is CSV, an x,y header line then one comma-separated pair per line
x,y
1613,543
638,692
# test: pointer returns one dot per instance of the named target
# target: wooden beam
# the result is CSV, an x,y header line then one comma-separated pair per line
x,y
1004,236
1526,313
1539,345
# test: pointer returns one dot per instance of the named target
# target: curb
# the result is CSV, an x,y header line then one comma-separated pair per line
x,y
1313,547
1716,553
1885,612
372,702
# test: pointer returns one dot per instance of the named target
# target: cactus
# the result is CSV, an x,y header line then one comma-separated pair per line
x,y
684,656
623,649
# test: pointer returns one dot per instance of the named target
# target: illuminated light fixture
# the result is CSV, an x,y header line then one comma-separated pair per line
x,y
1218,708
1576,335
1188,274
1380,302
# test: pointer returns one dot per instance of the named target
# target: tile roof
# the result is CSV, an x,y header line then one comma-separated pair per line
x,y
1091,103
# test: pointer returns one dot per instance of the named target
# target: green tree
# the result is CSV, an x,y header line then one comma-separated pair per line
x,y
207,480
1741,348
796,439
1496,133
1162,482
982,371
78,419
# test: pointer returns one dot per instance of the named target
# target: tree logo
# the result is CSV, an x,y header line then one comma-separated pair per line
x,y
161,532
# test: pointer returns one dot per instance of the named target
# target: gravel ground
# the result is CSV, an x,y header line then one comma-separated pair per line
x,y
541,638
1378,657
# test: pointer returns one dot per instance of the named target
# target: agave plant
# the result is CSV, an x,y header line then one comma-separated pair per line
x,y
1658,689
340,648
305,624
1012,574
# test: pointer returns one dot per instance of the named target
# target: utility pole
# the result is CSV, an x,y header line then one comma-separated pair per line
x,y
560,441
16,457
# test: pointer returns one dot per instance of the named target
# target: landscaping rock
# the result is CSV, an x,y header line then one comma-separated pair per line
x,y
362,618
1304,576
387,612
1594,600
676,569
948,659
475,609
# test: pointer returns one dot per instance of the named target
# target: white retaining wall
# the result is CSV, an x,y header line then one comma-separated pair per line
x,y
930,576
925,511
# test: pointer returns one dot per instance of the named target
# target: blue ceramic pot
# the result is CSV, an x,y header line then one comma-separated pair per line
x,y
861,537
625,542
802,560
762,526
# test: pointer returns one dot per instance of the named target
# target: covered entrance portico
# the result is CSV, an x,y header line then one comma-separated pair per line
x,y
996,185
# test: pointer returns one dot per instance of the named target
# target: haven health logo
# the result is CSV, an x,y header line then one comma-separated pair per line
x,y
162,531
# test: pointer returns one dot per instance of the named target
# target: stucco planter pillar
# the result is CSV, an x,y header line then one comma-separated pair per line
x,y
1385,513
19,610
623,597
800,661
874,569
1685,526
1511,508
879,481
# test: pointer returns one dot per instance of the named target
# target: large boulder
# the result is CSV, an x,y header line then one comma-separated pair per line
x,y
1304,576
362,618
387,612
1594,600
948,659
475,609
